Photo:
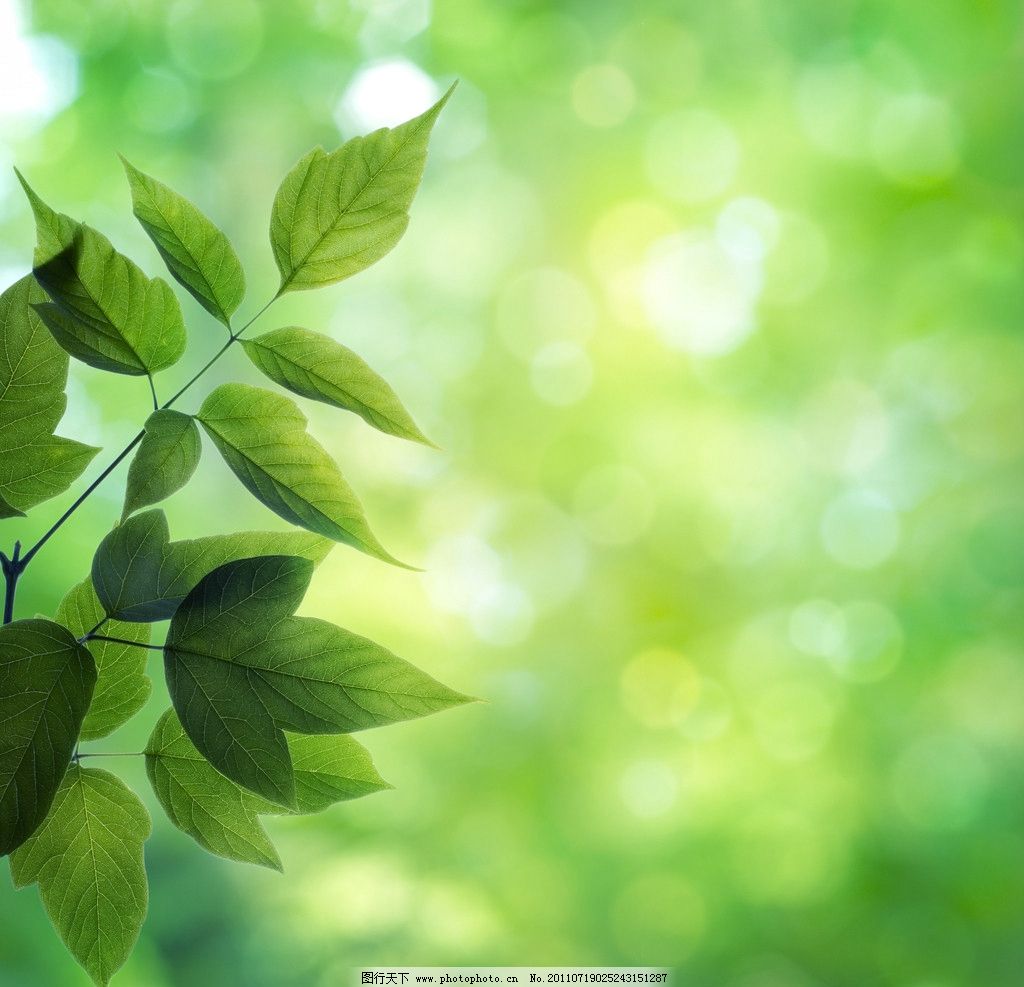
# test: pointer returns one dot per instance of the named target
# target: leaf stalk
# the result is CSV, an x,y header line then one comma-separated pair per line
x,y
12,568
121,640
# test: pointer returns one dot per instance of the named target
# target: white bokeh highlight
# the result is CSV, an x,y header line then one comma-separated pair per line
x,y
385,94
38,74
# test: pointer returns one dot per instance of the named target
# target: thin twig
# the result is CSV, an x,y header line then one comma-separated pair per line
x,y
81,500
232,338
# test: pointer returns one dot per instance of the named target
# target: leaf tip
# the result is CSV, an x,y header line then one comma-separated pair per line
x,y
416,434
454,698
100,977
432,113
375,549
24,182
34,201
129,169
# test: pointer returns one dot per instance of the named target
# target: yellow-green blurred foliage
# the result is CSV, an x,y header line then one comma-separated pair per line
x,y
716,311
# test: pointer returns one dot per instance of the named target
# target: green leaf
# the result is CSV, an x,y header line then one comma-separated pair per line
x,y
315,366
228,613
223,817
87,860
262,437
189,560
127,569
141,576
46,682
54,230
35,464
330,769
197,254
104,310
201,802
316,677
122,686
165,460
336,214
234,646
9,510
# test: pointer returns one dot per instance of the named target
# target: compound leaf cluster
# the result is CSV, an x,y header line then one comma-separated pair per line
x,y
263,702
241,669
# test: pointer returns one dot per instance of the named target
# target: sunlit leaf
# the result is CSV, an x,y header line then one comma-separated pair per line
x,y
337,213
54,230
187,561
87,860
320,678
35,464
164,461
122,686
104,311
262,437
223,817
46,682
315,366
219,815
197,254
330,769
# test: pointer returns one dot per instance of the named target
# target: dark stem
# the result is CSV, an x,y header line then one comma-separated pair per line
x,y
152,390
78,757
210,363
232,338
81,500
121,640
13,568
88,634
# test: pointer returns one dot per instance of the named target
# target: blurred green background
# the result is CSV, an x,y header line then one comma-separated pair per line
x,y
715,309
